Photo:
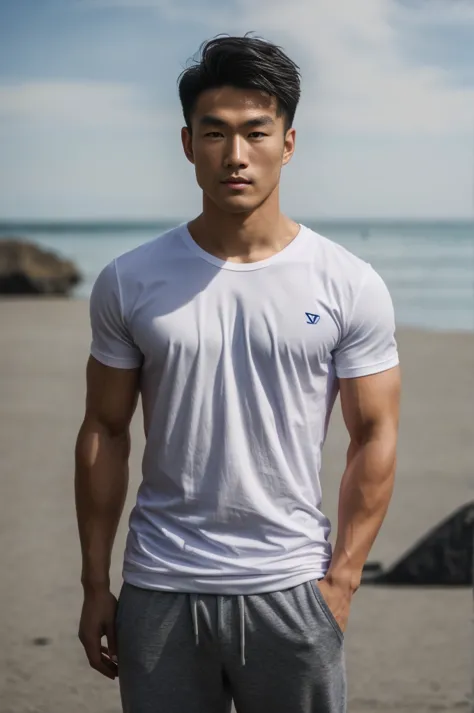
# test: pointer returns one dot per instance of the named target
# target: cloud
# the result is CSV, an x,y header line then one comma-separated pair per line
x,y
173,10
438,12
379,132
80,105
356,75
357,78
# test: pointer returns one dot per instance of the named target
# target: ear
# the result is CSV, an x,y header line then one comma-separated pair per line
x,y
187,141
289,146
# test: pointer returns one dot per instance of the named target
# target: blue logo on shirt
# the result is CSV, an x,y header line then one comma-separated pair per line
x,y
312,318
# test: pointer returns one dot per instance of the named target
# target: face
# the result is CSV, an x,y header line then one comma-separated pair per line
x,y
236,134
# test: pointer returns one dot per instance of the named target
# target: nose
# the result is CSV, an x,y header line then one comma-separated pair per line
x,y
236,157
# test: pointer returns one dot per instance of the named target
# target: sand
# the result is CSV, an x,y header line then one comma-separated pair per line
x,y
407,650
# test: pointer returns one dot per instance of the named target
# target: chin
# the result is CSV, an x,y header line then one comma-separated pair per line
x,y
237,204
236,209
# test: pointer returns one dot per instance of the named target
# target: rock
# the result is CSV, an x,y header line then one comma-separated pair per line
x,y
27,269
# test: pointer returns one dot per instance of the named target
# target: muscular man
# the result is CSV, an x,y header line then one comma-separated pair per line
x,y
238,330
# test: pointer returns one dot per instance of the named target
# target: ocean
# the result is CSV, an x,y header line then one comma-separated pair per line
x,y
428,266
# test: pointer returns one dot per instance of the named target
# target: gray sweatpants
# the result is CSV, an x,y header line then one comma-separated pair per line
x,y
271,653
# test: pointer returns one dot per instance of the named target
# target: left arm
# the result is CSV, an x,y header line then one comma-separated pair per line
x,y
367,366
370,406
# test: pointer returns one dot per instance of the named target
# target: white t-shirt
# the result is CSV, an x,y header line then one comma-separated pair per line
x,y
239,376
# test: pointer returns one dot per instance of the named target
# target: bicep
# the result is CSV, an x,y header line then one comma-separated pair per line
x,y
112,395
370,404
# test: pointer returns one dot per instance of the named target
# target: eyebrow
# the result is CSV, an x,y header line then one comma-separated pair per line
x,y
210,120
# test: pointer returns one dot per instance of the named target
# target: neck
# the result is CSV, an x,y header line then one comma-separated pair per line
x,y
243,237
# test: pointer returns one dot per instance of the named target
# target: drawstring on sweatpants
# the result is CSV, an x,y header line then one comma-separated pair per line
x,y
241,602
194,598
194,614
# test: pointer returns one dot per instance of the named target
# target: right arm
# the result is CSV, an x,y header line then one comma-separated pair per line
x,y
101,480
102,451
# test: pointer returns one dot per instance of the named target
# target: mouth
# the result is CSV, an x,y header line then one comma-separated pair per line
x,y
237,182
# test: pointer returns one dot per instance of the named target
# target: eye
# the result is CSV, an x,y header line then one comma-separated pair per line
x,y
213,134
257,134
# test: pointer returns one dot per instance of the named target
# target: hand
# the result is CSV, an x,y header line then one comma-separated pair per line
x,y
338,597
97,620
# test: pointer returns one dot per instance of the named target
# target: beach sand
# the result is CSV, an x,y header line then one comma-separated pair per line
x,y
407,649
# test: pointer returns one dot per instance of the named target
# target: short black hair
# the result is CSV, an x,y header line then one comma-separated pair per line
x,y
244,63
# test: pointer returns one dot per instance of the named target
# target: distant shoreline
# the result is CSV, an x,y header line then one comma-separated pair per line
x,y
105,224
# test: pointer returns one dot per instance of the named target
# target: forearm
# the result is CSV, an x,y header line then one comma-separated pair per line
x,y
365,493
101,482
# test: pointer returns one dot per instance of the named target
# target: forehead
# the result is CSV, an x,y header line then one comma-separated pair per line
x,y
231,104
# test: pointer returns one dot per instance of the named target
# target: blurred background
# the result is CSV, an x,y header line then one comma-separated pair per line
x,y
91,165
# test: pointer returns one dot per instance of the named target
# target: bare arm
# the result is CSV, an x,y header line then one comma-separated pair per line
x,y
102,452
370,407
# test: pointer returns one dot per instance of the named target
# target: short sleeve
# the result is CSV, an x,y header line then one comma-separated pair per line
x,y
368,345
112,344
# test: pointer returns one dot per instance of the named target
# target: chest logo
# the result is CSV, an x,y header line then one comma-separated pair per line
x,y
312,318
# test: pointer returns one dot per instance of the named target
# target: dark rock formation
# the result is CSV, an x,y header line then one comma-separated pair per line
x,y
27,269
443,557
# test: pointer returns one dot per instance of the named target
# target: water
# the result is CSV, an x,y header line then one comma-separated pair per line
x,y
428,267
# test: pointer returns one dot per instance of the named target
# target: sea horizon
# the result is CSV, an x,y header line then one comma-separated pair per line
x,y
106,223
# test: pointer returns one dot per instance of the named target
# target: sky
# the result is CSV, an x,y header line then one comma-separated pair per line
x,y
90,117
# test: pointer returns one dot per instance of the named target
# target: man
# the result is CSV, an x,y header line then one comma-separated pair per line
x,y
238,330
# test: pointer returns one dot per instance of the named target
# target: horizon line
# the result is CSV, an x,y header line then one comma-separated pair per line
x,y
4,222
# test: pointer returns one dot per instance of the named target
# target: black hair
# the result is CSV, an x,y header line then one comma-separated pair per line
x,y
244,63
